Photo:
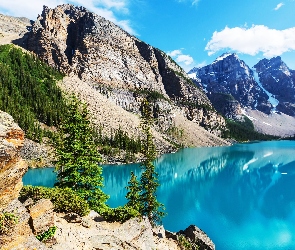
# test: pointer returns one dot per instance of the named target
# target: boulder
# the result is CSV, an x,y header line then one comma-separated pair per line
x,y
42,216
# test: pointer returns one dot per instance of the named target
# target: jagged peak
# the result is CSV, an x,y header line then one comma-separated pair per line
x,y
225,55
275,63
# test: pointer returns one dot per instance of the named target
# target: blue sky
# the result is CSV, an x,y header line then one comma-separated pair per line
x,y
194,32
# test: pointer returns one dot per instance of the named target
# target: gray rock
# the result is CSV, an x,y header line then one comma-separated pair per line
x,y
198,238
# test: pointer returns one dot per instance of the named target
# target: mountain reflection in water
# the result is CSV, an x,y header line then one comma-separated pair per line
x,y
242,196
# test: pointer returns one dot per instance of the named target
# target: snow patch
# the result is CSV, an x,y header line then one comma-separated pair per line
x,y
193,75
267,124
220,58
274,102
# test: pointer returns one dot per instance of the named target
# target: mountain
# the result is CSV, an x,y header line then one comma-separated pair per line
x,y
118,65
265,93
113,71
278,80
230,75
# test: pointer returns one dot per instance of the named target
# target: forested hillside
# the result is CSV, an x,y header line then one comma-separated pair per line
x,y
28,91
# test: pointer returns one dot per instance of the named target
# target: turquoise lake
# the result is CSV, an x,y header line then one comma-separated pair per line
x,y
242,196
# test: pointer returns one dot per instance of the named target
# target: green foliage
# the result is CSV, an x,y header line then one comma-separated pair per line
x,y
28,91
77,157
63,199
194,105
244,131
133,193
7,222
47,234
120,214
118,140
188,80
184,243
149,205
150,95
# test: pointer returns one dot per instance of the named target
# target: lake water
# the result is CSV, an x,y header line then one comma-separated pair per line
x,y
242,196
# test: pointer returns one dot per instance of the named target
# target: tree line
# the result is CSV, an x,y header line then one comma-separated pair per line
x,y
28,91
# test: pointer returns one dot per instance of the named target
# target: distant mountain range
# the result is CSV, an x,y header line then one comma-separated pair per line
x,y
268,87
233,87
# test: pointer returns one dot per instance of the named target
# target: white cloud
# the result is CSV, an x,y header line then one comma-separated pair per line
x,y
105,8
279,6
174,53
252,41
185,61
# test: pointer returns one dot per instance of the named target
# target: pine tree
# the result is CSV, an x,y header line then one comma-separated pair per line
x,y
133,194
77,157
149,204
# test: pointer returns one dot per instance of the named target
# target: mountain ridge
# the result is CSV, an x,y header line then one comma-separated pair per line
x,y
124,71
268,88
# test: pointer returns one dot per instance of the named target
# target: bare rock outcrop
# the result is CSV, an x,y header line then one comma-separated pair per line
x,y
119,65
12,167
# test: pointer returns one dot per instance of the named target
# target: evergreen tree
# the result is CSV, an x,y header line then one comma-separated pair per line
x,y
133,194
77,157
149,204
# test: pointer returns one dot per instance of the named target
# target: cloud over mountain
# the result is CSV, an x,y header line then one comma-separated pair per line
x,y
185,61
253,40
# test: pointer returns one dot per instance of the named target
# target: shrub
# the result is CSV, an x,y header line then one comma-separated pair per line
x,y
7,222
120,214
63,199
47,234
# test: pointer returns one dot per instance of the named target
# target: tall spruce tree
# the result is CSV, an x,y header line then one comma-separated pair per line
x,y
149,205
133,194
77,157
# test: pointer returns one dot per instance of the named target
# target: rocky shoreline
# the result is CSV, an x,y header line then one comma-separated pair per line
x,y
72,231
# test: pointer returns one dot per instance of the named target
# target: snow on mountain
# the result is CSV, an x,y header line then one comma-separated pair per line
x,y
274,102
278,80
231,76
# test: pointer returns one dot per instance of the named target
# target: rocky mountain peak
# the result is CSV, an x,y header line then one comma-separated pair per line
x,y
276,77
119,66
274,63
232,56
232,76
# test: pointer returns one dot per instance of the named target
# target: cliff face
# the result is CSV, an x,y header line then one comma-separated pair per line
x,y
119,65
230,75
12,167
279,81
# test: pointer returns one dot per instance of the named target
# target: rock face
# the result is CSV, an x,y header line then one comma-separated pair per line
x,y
230,75
227,105
118,65
198,237
279,81
12,167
